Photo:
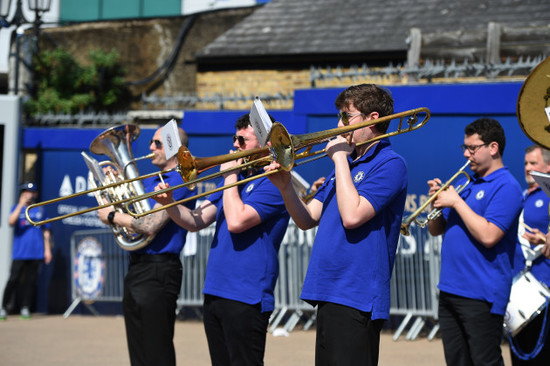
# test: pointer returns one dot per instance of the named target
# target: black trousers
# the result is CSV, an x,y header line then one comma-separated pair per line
x,y
527,339
236,332
25,271
150,294
471,333
346,336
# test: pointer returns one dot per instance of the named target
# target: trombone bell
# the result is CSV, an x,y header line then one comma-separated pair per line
x,y
282,146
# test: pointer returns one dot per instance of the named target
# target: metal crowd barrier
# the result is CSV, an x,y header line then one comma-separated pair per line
x,y
413,283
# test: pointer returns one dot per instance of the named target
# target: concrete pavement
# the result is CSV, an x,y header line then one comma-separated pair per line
x,y
50,340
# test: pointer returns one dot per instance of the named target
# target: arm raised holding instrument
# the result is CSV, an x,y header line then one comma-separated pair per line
x,y
148,225
192,220
305,216
436,226
354,209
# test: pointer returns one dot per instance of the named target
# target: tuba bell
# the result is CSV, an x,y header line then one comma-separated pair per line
x,y
533,105
115,143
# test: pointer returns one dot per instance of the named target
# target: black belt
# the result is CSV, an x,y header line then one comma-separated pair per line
x,y
153,258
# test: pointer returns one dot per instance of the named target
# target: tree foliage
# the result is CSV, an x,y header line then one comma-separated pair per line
x,y
65,86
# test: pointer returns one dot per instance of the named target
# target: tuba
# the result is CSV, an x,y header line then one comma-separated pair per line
x,y
115,143
533,105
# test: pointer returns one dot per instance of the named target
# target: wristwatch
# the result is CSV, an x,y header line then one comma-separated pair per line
x,y
111,217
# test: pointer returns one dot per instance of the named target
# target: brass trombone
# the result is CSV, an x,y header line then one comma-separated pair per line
x,y
283,150
188,168
434,214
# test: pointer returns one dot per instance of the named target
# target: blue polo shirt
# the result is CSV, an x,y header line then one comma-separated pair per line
x,y
353,267
535,214
469,269
244,267
171,238
28,240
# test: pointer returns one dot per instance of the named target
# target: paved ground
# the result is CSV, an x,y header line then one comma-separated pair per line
x,y
100,341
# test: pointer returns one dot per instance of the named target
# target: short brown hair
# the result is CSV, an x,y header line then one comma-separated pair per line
x,y
367,98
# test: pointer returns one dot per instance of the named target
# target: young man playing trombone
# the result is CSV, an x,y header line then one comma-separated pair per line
x,y
243,261
358,210
480,227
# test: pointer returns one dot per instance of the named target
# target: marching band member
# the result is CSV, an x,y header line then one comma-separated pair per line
x,y
153,281
243,264
533,226
480,227
358,210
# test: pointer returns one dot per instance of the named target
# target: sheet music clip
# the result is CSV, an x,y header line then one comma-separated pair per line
x,y
95,170
543,180
170,138
260,121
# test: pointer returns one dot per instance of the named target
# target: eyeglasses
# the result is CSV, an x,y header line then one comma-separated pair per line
x,y
346,117
472,148
158,143
241,139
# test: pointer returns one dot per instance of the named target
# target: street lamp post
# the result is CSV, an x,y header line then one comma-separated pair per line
x,y
39,7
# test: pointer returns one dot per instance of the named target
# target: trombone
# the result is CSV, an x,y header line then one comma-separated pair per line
x,y
434,214
188,168
283,150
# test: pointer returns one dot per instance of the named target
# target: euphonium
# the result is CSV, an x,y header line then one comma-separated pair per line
x,y
434,214
115,143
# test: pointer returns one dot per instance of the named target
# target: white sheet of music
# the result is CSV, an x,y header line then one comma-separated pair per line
x,y
260,121
170,138
543,180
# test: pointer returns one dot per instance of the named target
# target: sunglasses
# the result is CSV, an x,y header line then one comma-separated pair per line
x,y
241,139
158,143
346,117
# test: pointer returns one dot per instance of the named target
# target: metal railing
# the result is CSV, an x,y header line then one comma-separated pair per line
x,y
218,100
430,69
413,283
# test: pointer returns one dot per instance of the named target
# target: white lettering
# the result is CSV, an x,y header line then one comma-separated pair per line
x,y
66,187
410,203
414,202
422,200
80,184
205,187
88,219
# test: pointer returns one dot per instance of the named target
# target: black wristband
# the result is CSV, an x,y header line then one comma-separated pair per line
x,y
111,217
